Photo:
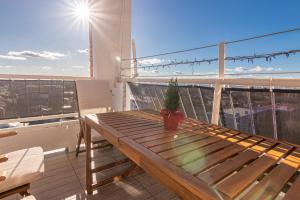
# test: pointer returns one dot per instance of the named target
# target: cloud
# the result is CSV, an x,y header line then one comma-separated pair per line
x,y
9,57
47,68
84,51
178,72
6,66
32,54
78,67
252,70
151,61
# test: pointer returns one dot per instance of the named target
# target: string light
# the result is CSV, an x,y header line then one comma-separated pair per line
x,y
268,57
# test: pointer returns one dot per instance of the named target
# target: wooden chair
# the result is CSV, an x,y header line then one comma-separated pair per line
x,y
93,96
20,168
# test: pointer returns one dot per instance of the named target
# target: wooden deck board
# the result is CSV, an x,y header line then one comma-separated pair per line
x,y
68,184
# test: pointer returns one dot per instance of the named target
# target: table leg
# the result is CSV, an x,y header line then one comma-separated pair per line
x,y
87,134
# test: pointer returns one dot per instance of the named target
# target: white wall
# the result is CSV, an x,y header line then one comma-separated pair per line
x,y
49,136
111,30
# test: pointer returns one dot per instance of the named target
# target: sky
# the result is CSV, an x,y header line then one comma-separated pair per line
x,y
40,37
168,25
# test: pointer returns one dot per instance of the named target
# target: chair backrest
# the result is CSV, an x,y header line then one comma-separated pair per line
x,y
94,96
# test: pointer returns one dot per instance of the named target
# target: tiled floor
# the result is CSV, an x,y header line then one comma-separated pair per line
x,y
64,178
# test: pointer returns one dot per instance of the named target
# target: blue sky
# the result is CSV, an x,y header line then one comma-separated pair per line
x,y
160,26
42,33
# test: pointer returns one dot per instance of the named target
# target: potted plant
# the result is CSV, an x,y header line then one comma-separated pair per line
x,y
172,116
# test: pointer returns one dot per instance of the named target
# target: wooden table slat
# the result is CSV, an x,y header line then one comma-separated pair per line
x,y
219,172
271,185
203,163
293,193
191,156
177,151
178,142
168,139
235,184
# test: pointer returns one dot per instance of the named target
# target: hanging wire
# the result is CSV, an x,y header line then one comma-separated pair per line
x,y
214,45
267,56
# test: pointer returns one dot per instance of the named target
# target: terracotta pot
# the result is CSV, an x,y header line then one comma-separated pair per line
x,y
171,119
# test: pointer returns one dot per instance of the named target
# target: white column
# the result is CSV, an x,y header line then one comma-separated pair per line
x,y
111,31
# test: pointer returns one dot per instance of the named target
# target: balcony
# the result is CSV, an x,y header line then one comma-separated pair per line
x,y
241,116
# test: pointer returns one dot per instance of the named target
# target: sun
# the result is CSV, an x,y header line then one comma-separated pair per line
x,y
82,11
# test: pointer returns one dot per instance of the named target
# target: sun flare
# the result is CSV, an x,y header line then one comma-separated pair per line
x,y
82,11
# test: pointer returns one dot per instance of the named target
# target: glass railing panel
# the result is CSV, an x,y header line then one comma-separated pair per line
x,y
33,98
141,96
7,100
227,115
18,90
187,103
242,110
288,115
160,94
262,112
198,103
69,97
56,97
154,97
208,96
45,93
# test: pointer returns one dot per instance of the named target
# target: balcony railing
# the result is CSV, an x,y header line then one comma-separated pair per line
x,y
28,98
271,113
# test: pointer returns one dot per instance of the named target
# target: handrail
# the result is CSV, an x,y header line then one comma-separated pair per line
x,y
46,117
45,77
267,82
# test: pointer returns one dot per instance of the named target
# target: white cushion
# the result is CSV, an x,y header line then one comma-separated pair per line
x,y
29,198
23,167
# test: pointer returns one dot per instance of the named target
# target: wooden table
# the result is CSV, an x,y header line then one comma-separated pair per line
x,y
200,160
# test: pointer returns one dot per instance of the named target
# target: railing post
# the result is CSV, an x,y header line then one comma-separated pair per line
x,y
218,87
221,60
134,72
